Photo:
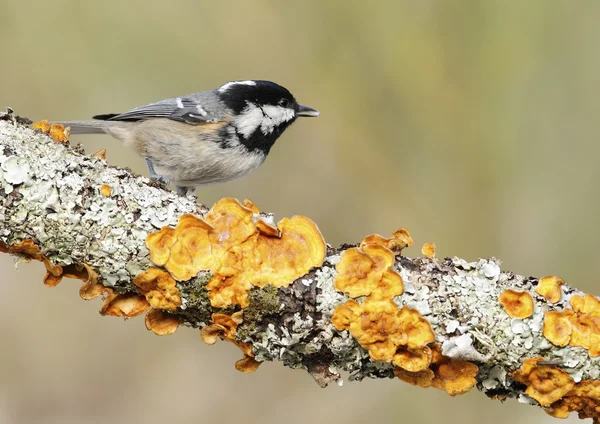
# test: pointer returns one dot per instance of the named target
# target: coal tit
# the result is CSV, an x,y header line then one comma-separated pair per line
x,y
207,137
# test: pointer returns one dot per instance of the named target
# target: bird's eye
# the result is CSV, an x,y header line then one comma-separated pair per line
x,y
284,102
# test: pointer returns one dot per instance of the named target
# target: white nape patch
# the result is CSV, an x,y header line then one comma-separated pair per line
x,y
268,117
230,84
201,110
179,102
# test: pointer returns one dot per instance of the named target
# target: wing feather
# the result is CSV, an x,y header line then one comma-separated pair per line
x,y
183,109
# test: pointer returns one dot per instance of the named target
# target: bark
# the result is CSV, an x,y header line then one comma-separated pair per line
x,y
51,193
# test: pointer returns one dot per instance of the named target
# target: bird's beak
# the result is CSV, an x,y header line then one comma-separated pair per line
x,y
306,111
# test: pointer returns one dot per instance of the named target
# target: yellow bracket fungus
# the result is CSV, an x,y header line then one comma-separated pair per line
x,y
517,304
105,190
454,376
368,271
126,305
161,323
57,132
400,240
224,327
584,398
550,288
544,383
159,288
428,250
381,328
55,273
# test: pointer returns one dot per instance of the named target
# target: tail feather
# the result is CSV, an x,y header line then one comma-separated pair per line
x,y
88,126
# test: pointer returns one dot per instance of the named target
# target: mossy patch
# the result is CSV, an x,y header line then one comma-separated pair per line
x,y
263,301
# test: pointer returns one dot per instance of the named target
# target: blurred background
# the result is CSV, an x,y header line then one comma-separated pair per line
x,y
473,124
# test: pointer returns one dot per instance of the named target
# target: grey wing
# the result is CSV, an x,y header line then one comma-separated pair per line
x,y
193,109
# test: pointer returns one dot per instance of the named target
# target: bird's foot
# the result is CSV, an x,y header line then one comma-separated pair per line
x,y
159,183
154,176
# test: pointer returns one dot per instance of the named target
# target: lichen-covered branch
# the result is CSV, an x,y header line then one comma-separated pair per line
x,y
278,292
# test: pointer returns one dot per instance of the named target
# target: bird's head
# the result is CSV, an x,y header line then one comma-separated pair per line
x,y
262,110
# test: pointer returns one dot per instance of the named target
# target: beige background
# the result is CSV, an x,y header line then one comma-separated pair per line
x,y
474,124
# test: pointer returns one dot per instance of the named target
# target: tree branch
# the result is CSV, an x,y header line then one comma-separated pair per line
x,y
89,220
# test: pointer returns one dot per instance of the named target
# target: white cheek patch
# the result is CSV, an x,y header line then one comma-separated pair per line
x,y
230,84
276,115
267,118
249,120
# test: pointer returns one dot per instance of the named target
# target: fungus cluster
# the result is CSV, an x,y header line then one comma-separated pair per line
x,y
57,132
556,391
389,333
400,240
584,399
367,271
239,249
454,376
579,326
546,384
54,272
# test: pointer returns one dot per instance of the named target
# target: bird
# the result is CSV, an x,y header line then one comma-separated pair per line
x,y
208,137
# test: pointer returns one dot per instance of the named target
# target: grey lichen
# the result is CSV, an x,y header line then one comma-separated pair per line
x,y
16,171
55,201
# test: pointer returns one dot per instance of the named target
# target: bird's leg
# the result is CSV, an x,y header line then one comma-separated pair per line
x,y
155,176
181,191
185,191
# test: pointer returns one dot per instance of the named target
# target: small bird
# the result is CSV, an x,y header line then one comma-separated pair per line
x,y
208,137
